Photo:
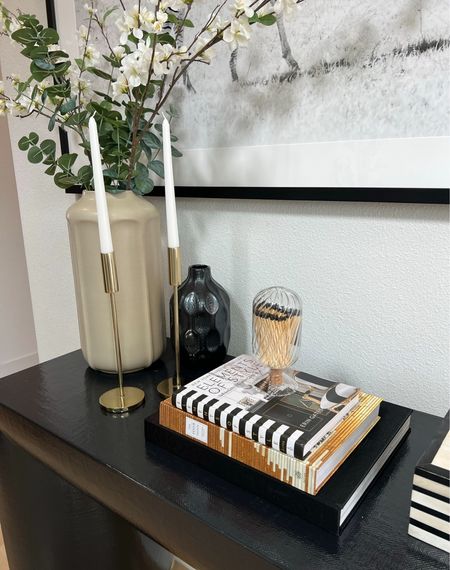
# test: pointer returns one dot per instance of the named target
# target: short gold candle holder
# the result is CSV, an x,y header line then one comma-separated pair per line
x,y
170,385
122,399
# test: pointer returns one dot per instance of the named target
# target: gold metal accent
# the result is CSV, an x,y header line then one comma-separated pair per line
x,y
174,266
118,400
168,386
109,272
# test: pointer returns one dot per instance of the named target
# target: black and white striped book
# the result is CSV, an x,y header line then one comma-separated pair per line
x,y
238,396
429,518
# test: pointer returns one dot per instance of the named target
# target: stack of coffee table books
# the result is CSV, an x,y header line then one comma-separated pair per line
x,y
313,451
430,500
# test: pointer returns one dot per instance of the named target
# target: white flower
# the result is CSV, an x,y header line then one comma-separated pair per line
x,y
2,88
18,107
90,9
3,107
244,6
124,30
208,54
182,53
238,33
146,18
83,88
15,79
53,47
135,67
161,16
285,6
217,25
129,23
82,33
158,26
91,55
119,52
120,86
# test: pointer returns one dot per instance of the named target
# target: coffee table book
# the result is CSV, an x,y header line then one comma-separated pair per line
x,y
239,395
334,504
309,474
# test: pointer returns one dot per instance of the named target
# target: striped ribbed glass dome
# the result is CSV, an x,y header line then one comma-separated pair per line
x,y
277,326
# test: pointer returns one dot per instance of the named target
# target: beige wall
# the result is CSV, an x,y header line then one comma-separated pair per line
x,y
17,337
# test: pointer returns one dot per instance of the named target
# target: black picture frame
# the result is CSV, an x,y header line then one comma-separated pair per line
x,y
329,194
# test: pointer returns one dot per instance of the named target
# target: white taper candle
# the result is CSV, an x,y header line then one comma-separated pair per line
x,y
171,209
104,229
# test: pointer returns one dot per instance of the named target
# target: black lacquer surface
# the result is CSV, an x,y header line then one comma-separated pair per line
x,y
51,411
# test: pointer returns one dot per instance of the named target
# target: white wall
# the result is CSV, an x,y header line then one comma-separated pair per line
x,y
42,209
373,277
17,338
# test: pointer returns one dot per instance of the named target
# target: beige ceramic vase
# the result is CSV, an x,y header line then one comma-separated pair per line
x,y
136,240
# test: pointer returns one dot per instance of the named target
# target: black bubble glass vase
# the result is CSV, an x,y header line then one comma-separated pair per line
x,y
204,319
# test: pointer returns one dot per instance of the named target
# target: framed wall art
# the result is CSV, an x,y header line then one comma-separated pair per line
x,y
340,100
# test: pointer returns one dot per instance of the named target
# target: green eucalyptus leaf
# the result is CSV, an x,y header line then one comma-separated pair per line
x,y
49,36
24,143
34,52
51,169
67,160
38,74
143,185
48,146
100,73
158,167
24,36
151,140
176,153
267,19
109,12
68,106
35,155
110,172
63,180
112,60
33,137
58,54
52,121
45,65
61,68
166,39
28,20
84,175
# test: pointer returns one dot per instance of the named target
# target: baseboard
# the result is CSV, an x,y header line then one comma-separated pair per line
x,y
17,364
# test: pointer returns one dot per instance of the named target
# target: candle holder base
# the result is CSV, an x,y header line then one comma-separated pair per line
x,y
167,387
112,402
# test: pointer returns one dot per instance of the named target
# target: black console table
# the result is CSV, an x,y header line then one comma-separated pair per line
x,y
82,490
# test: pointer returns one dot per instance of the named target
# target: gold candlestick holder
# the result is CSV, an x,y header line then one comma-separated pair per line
x,y
121,399
170,385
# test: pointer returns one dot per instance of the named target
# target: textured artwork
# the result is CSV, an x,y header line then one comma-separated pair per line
x,y
332,70
336,70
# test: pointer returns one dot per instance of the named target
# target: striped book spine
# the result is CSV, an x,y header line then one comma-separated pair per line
x,y
268,432
429,517
272,461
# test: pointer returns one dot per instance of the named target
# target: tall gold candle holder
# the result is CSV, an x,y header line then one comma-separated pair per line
x,y
121,399
170,385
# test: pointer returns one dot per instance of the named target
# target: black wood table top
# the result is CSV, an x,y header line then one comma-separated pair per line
x,y
52,411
